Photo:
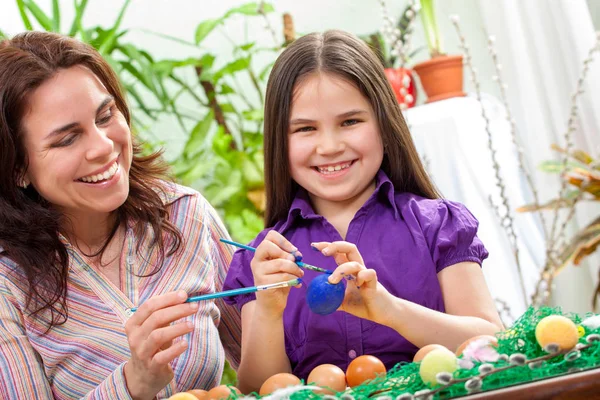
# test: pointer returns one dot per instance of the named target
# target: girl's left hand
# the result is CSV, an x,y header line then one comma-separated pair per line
x,y
365,297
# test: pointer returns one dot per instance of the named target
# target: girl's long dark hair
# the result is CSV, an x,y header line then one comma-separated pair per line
x,y
29,226
344,55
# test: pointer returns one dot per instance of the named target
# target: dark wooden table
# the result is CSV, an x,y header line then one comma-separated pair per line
x,y
574,386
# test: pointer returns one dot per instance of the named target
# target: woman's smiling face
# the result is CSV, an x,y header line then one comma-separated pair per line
x,y
78,144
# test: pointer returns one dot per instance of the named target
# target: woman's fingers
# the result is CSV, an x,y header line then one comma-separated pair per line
x,y
162,338
154,304
166,356
160,318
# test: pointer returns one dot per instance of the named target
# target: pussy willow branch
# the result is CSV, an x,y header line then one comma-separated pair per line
x,y
513,131
507,221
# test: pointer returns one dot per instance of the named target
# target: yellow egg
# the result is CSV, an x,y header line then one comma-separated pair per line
x,y
423,351
580,330
558,330
436,361
183,396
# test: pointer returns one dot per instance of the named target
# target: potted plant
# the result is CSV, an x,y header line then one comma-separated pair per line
x,y
401,78
442,75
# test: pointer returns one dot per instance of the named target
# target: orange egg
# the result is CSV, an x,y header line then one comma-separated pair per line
x,y
182,396
278,381
492,340
364,368
199,393
426,349
327,376
221,392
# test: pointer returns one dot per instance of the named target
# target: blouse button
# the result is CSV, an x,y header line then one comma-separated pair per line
x,y
352,354
130,260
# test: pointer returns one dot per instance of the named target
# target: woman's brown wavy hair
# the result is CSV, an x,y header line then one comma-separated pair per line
x,y
29,226
346,56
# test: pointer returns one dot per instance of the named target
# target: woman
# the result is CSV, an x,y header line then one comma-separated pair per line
x,y
88,229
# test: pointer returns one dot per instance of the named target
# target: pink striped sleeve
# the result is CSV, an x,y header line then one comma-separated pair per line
x,y
22,374
21,370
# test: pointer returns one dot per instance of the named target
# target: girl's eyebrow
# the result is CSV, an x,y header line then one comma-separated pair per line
x,y
67,127
351,113
299,121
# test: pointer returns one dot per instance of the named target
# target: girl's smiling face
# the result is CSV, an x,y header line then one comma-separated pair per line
x,y
335,147
78,144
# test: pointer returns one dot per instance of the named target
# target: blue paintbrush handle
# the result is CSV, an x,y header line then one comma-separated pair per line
x,y
235,292
299,263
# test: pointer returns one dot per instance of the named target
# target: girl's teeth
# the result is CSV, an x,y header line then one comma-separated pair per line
x,y
331,168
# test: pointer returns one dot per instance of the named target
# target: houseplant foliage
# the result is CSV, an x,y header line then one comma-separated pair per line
x,y
442,75
582,173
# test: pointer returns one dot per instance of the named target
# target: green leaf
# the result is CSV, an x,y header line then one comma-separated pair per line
x,y
245,9
234,185
430,26
253,115
108,43
265,71
76,25
231,68
556,167
24,17
247,46
197,136
225,89
55,16
132,91
206,27
227,108
39,15
3,35
197,171
252,174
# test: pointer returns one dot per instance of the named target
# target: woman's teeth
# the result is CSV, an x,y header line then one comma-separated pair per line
x,y
101,177
333,168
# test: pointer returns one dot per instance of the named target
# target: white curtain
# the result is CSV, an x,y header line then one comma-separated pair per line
x,y
542,46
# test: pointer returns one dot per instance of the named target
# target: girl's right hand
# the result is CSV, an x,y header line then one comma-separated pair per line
x,y
274,261
150,333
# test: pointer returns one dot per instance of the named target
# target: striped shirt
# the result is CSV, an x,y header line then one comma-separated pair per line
x,y
84,357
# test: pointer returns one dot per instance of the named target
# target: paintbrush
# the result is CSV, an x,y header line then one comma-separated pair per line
x,y
298,263
235,292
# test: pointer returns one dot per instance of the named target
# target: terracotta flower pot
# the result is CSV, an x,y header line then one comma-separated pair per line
x,y
441,77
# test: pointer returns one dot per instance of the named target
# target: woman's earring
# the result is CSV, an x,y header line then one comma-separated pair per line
x,y
24,184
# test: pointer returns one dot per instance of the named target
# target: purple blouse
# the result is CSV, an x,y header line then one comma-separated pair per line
x,y
406,238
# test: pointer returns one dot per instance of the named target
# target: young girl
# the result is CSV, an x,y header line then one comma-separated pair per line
x,y
343,176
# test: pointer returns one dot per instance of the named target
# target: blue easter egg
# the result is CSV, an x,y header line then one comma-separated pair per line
x,y
322,297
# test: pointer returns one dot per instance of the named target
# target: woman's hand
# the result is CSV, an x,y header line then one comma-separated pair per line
x,y
274,261
365,297
150,333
